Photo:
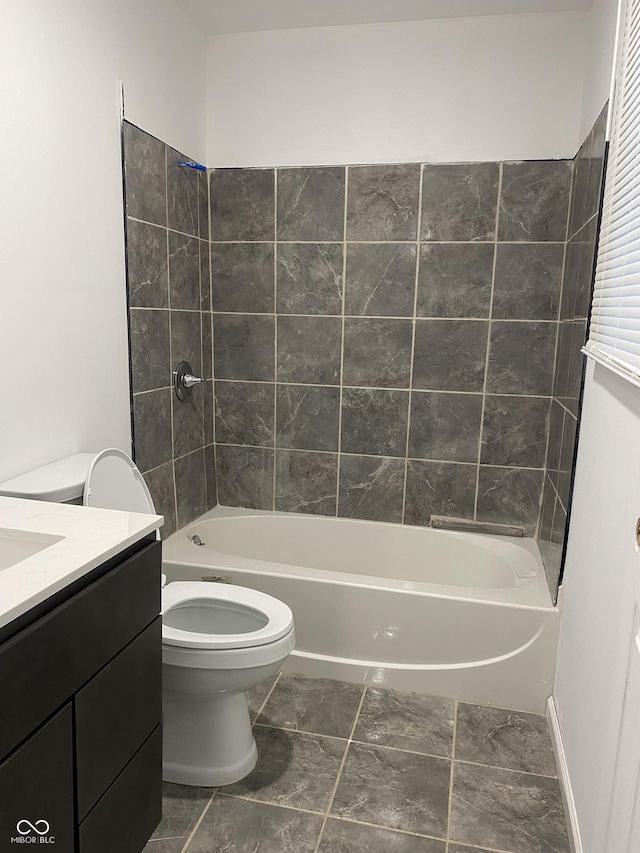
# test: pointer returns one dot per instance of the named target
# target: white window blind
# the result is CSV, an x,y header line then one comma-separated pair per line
x,y
614,335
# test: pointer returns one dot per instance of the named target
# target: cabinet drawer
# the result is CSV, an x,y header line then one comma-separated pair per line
x,y
48,662
115,712
131,808
36,789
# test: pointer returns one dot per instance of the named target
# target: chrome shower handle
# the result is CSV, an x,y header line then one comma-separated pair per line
x,y
188,380
184,381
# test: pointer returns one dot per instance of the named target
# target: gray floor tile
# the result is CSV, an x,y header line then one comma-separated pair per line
x,y
399,790
258,694
241,826
181,809
341,836
510,739
293,769
393,777
506,810
316,705
406,721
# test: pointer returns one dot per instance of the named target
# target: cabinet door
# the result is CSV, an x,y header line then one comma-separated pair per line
x,y
115,712
126,815
36,789
48,662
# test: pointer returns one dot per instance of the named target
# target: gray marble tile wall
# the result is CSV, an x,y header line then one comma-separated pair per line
x,y
575,305
384,337
168,280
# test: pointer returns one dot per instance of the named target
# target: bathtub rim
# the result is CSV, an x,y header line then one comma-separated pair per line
x,y
529,593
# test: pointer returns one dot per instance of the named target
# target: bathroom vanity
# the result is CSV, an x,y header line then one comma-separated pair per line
x,y
80,678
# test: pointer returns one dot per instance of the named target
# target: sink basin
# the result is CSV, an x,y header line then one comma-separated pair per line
x,y
17,545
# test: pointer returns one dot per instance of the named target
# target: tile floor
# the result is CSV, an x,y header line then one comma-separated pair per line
x,y
344,769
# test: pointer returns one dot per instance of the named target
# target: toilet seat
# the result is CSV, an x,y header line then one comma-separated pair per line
x,y
261,618
114,482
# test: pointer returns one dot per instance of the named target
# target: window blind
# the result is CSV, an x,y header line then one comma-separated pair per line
x,y
614,334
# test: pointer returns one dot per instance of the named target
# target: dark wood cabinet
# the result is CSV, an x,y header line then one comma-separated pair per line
x,y
36,789
121,818
80,733
114,715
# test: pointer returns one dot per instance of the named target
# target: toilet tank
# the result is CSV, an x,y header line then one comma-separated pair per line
x,y
59,482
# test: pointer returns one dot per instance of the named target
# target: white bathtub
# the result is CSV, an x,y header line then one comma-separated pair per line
x,y
444,613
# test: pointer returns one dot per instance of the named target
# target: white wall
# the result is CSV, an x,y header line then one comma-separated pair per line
x,y
601,37
602,562
598,604
62,280
485,88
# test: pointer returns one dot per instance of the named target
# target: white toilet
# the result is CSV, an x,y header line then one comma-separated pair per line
x,y
218,640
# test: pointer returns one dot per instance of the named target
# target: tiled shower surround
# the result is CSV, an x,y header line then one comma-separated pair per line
x,y
574,312
167,231
385,336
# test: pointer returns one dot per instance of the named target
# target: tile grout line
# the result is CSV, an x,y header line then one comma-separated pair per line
x,y
350,820
392,829
557,495
372,242
395,830
275,335
473,848
366,455
370,388
342,324
553,388
181,233
553,519
271,804
486,361
453,756
413,340
398,317
562,406
396,749
341,768
198,822
506,769
381,240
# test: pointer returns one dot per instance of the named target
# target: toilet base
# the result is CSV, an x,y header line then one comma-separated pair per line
x,y
207,741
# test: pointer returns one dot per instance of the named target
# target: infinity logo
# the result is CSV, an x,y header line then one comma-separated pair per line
x,y
41,827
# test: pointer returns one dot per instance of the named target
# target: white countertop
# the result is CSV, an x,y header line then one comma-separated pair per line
x,y
90,537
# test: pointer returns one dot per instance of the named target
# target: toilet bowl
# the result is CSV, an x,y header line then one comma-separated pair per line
x,y
218,640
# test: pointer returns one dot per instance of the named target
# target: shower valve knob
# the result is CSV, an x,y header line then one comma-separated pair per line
x,y
184,380
189,381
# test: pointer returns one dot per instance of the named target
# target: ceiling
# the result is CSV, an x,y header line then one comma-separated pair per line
x,y
241,16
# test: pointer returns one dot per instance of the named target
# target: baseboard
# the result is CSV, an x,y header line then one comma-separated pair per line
x,y
575,844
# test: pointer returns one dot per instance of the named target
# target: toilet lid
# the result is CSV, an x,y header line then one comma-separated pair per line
x,y
114,482
202,630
